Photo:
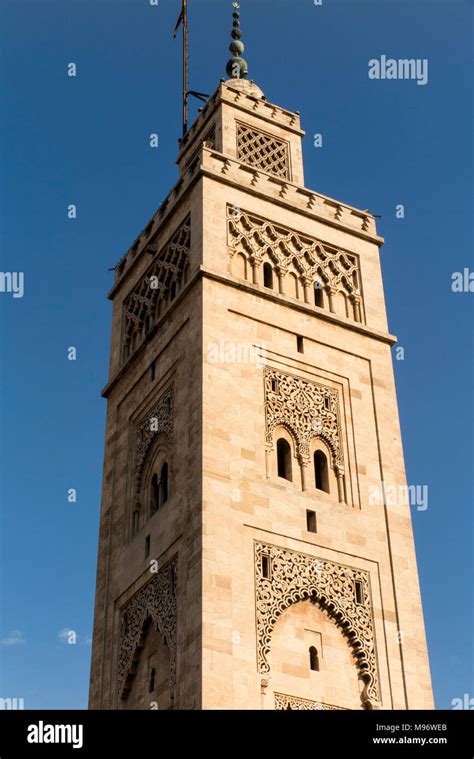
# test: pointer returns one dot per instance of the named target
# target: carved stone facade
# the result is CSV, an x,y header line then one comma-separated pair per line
x,y
291,577
264,151
156,601
157,289
159,419
308,260
270,570
307,410
284,702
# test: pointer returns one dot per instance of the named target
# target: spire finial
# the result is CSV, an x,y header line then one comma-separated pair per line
x,y
237,67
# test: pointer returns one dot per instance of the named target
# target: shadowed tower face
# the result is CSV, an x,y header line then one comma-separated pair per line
x,y
247,557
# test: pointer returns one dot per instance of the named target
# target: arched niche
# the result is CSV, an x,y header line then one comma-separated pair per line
x,y
303,628
156,476
282,433
148,683
320,452
343,592
152,607
240,266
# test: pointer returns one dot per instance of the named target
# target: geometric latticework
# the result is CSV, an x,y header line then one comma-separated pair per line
x,y
155,601
257,239
263,151
282,701
284,577
307,410
157,289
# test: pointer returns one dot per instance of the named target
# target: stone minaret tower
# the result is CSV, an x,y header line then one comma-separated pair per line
x,y
248,558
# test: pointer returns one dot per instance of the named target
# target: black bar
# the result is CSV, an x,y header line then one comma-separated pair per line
x,y
223,733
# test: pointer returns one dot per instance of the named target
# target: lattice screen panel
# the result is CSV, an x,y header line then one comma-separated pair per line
x,y
263,151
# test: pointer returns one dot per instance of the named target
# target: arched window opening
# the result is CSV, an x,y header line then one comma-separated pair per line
x,y
313,659
321,471
151,680
268,276
154,495
284,459
163,485
318,295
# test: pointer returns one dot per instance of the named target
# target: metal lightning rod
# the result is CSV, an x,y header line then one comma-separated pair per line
x,y
185,67
183,19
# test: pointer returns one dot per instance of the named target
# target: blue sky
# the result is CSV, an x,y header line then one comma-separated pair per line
x,y
84,140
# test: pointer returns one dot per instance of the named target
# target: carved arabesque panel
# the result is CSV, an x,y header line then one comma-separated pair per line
x,y
333,270
294,577
264,151
156,601
159,419
158,287
282,701
307,409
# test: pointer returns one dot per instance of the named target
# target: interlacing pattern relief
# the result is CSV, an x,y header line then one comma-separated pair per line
x,y
282,701
307,410
333,270
156,290
155,601
159,419
292,577
263,151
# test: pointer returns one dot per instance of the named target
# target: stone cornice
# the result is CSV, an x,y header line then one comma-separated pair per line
x,y
282,300
228,170
226,93
264,110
